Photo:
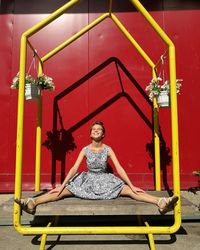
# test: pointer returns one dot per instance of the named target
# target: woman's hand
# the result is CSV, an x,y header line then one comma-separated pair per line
x,y
57,190
137,190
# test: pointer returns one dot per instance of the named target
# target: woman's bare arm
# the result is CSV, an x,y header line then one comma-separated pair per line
x,y
71,172
122,173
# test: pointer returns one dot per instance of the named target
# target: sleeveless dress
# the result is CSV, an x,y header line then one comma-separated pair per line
x,y
96,183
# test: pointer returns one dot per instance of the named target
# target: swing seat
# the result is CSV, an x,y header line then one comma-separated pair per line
x,y
120,206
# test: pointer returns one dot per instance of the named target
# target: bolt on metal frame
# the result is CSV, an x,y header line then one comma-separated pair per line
x,y
150,230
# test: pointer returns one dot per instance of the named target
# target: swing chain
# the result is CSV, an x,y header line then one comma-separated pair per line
x,y
162,71
33,62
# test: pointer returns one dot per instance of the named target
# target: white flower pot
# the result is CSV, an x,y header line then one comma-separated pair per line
x,y
32,92
163,99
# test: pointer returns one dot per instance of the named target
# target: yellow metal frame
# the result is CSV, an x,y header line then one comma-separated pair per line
x,y
174,122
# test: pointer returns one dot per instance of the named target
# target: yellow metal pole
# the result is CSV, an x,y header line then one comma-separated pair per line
x,y
156,140
38,136
150,237
20,126
156,144
174,124
174,112
50,18
74,37
98,230
38,127
151,21
155,106
44,238
110,7
132,41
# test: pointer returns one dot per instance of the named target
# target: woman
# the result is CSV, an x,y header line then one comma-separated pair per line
x,y
97,183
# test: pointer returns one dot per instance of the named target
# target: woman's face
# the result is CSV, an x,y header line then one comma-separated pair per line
x,y
97,132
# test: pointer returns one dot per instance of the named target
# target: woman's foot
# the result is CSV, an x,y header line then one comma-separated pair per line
x,y
27,205
167,204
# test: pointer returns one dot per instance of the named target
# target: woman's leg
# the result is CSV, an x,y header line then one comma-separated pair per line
x,y
145,197
126,191
32,203
49,197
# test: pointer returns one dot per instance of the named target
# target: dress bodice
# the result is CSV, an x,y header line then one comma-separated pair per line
x,y
97,161
96,183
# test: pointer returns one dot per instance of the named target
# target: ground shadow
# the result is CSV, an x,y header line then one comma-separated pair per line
x,y
195,189
114,220
52,244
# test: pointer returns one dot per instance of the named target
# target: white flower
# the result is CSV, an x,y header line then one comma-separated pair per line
x,y
154,87
43,81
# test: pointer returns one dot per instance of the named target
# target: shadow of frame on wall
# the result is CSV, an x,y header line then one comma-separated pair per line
x,y
61,141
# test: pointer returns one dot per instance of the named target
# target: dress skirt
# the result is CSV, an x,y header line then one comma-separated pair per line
x,y
95,186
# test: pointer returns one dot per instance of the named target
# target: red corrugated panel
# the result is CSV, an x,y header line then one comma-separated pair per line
x,y
99,76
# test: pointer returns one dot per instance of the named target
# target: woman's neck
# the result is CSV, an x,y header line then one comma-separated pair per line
x,y
96,144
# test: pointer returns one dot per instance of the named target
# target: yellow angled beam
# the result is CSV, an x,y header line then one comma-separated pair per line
x,y
74,37
50,18
151,21
155,106
174,111
132,40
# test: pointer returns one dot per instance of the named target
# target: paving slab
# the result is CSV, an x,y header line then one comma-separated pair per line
x,y
187,238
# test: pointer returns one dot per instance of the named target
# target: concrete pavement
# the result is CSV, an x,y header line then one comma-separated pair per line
x,y
187,238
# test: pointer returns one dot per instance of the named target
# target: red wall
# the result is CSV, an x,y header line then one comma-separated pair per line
x,y
99,76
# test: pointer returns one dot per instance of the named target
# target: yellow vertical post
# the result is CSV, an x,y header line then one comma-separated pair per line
x,y
173,98
44,238
156,135
38,136
110,7
150,237
174,124
20,125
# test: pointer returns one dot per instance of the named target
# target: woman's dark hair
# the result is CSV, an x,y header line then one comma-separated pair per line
x,y
98,123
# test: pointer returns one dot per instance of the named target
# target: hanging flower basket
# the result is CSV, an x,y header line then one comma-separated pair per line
x,y
32,92
163,99
160,91
33,86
